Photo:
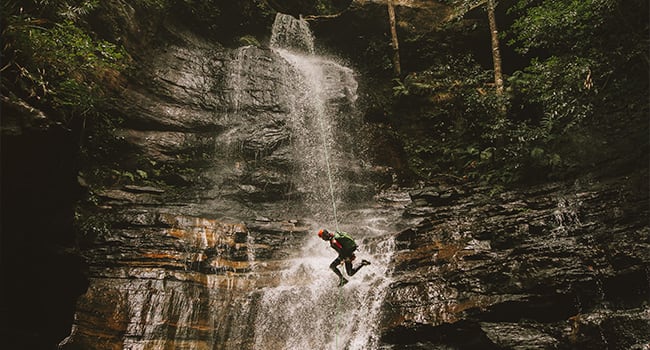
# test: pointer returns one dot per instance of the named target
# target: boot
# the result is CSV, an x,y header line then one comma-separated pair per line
x,y
342,282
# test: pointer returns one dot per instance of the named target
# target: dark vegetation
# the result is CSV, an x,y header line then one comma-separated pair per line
x,y
576,96
576,102
576,89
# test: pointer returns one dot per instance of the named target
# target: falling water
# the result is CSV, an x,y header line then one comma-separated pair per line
x,y
317,87
237,77
306,309
289,33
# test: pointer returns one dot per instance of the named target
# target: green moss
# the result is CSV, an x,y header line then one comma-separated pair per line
x,y
248,40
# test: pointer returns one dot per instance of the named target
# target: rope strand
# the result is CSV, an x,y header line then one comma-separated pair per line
x,y
336,221
338,316
329,171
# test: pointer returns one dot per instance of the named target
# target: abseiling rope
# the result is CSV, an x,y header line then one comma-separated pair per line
x,y
336,221
329,171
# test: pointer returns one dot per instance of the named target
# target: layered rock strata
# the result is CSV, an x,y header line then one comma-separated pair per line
x,y
556,266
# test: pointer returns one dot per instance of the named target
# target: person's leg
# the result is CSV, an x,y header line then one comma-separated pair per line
x,y
349,257
333,267
348,267
351,271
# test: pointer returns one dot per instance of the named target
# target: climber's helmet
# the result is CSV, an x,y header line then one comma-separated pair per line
x,y
324,235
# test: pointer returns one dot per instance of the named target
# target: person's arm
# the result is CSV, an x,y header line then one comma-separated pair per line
x,y
336,245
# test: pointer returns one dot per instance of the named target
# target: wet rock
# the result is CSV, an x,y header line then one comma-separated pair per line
x,y
143,189
119,197
176,303
166,146
431,195
522,268
20,117
266,139
519,336
175,179
618,329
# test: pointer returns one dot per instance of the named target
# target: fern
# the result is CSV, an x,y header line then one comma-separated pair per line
x,y
71,11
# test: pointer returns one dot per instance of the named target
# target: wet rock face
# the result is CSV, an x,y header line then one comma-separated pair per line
x,y
549,267
176,258
160,280
203,119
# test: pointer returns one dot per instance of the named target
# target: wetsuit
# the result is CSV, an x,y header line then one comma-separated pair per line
x,y
343,243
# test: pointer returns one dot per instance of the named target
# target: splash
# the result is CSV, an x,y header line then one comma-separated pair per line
x,y
312,313
566,215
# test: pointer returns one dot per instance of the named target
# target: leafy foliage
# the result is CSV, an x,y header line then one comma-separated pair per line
x,y
458,124
567,109
52,63
225,20
566,100
589,50
559,25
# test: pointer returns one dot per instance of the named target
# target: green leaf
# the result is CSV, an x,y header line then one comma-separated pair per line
x,y
537,153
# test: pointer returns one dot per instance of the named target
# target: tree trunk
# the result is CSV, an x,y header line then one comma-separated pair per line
x,y
496,54
395,43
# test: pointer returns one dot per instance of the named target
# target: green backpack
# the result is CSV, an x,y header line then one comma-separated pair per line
x,y
346,241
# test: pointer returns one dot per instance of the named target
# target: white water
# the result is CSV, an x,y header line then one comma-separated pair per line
x,y
306,310
290,33
316,87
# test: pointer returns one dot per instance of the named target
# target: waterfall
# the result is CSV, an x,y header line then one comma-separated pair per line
x,y
306,309
289,33
317,90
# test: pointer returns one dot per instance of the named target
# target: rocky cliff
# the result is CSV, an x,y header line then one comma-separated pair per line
x,y
184,233
213,190
559,266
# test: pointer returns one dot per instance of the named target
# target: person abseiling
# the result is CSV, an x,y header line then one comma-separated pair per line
x,y
345,245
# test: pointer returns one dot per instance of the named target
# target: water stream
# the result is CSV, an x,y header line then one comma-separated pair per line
x,y
306,309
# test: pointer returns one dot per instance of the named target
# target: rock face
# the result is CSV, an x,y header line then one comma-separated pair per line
x,y
204,209
164,281
556,266
217,153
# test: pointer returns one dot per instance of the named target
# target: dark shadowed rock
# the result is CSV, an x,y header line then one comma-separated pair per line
x,y
533,269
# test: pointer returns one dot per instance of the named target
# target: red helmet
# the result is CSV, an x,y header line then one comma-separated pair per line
x,y
323,234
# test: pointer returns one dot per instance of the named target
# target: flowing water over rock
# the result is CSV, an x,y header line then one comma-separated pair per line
x,y
233,262
226,257
318,88
306,310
